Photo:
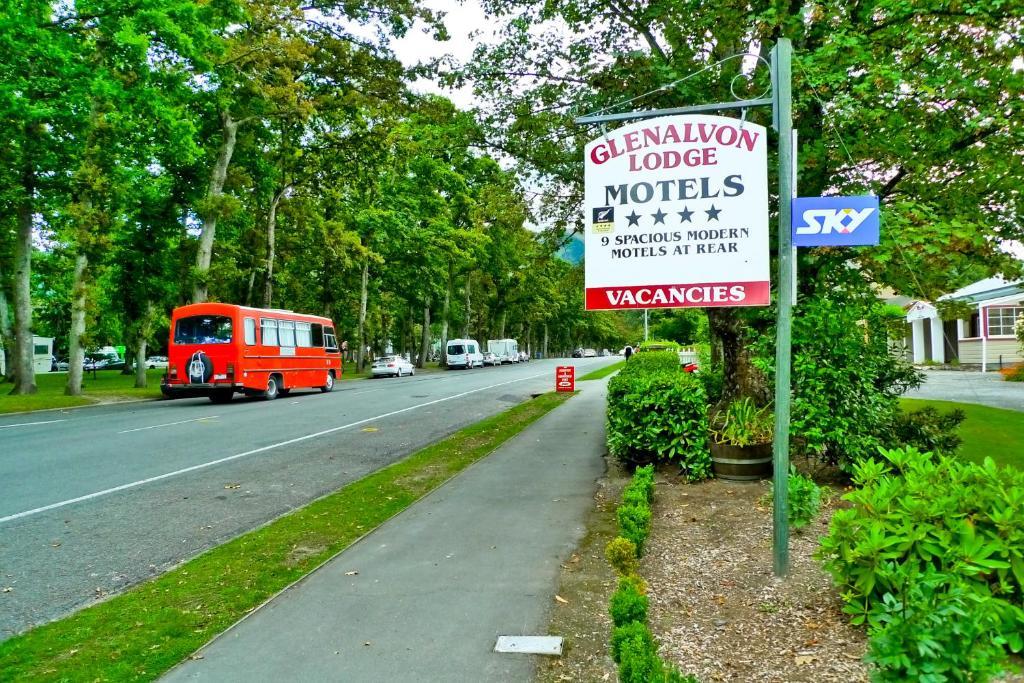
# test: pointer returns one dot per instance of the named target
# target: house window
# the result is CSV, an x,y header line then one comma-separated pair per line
x,y
1001,320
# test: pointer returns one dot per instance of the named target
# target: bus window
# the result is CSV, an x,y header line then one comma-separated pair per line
x,y
303,335
286,330
330,341
269,331
250,331
203,329
318,335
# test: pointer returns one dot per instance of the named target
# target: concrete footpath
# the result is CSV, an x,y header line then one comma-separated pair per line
x,y
437,584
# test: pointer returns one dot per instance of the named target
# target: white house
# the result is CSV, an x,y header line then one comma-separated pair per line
x,y
985,338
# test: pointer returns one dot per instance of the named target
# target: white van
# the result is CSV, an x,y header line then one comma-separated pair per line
x,y
507,350
464,353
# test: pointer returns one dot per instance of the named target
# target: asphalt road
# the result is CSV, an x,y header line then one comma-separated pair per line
x,y
98,499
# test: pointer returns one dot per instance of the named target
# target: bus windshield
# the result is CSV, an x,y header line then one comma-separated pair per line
x,y
203,329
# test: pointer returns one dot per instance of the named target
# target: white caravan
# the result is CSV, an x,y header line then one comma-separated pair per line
x,y
507,350
464,353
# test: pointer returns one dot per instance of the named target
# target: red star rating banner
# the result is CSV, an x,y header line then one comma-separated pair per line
x,y
676,212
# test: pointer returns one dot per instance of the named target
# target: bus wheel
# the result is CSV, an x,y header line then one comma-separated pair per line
x,y
328,382
272,388
222,396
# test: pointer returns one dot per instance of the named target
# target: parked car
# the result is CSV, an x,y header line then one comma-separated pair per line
x,y
392,366
463,353
589,353
604,353
154,362
578,353
491,358
62,365
524,357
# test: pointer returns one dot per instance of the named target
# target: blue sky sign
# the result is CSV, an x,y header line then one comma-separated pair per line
x,y
835,221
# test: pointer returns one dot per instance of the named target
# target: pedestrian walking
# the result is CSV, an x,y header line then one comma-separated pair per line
x,y
628,352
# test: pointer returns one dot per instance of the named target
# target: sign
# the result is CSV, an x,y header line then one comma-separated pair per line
x,y
565,378
676,212
835,221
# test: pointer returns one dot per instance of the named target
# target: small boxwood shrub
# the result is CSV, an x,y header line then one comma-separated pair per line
x,y
928,430
628,603
635,524
659,414
916,515
804,500
621,554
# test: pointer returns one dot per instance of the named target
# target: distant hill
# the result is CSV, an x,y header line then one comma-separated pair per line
x,y
573,250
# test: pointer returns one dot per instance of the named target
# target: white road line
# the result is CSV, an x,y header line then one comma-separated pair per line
x,y
170,424
29,424
134,484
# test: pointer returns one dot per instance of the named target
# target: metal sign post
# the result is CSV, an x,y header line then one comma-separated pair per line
x,y
781,103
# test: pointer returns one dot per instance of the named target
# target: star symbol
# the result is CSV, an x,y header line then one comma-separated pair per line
x,y
684,215
712,212
634,219
659,217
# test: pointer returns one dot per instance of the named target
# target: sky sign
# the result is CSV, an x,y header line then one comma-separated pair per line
x,y
676,212
835,221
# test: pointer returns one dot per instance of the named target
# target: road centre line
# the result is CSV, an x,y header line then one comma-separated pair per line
x,y
29,424
169,424
193,468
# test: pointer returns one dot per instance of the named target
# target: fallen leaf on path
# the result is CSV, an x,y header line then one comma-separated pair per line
x,y
55,545
351,573
232,486
194,657
370,429
562,600
803,660
7,589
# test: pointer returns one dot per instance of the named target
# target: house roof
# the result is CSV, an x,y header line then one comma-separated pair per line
x,y
983,290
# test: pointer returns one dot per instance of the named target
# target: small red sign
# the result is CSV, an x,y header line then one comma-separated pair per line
x,y
565,378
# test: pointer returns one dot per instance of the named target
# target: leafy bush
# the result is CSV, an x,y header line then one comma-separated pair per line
x,y
1014,374
640,490
915,514
621,553
938,630
628,603
804,499
632,639
928,430
635,524
659,414
658,345
846,383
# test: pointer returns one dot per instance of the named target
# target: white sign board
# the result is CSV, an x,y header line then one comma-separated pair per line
x,y
676,212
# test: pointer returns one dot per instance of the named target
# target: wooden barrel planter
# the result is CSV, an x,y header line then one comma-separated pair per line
x,y
741,463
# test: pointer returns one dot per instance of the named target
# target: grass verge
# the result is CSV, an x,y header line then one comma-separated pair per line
x,y
108,385
145,631
986,432
602,372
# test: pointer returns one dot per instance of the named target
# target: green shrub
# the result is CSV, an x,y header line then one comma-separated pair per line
x,y
652,345
636,653
635,524
804,499
652,361
659,414
927,430
621,553
742,423
915,514
846,383
628,603
940,629
641,487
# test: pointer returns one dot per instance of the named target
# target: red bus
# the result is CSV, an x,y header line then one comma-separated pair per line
x,y
217,349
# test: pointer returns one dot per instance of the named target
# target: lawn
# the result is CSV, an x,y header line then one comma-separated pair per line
x,y
108,385
602,372
991,432
146,630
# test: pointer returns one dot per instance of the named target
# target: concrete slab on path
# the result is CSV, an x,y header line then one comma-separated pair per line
x,y
983,388
437,584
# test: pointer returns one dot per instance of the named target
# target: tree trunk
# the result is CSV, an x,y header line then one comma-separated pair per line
x,y
268,284
445,310
742,379
141,343
76,355
425,343
24,371
361,352
469,310
501,326
252,283
229,127
545,350
6,332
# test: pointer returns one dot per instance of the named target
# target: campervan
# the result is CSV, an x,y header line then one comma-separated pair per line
x,y
507,350
464,353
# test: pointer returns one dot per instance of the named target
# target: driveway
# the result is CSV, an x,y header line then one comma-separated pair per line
x,y
987,389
